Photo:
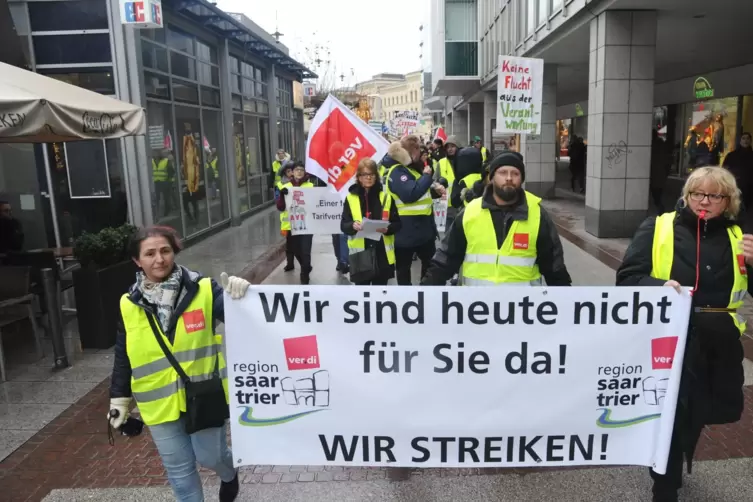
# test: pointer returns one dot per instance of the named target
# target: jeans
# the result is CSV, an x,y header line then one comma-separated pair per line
x,y
180,452
340,245
404,261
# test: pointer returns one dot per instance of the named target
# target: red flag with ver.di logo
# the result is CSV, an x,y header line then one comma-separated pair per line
x,y
338,140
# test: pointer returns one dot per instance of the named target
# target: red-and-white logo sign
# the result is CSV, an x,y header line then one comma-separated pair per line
x,y
298,197
741,264
338,146
520,241
301,353
663,352
194,321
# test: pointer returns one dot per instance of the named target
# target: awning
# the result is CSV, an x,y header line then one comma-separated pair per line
x,y
39,109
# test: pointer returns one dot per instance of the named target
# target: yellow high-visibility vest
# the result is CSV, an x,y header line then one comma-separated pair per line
x,y
276,165
159,170
514,264
284,219
469,181
447,172
422,207
358,244
155,384
213,166
663,252
484,154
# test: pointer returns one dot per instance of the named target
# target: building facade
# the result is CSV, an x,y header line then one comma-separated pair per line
x,y
618,73
389,94
219,96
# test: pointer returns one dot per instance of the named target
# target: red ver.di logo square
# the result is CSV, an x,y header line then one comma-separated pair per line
x,y
663,352
194,321
301,353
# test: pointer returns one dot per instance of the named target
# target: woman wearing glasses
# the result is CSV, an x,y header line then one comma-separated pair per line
x,y
372,262
699,245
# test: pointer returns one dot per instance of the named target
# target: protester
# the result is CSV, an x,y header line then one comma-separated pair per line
x,y
445,174
281,158
577,153
439,150
154,323
740,163
286,174
367,199
699,245
299,244
503,238
479,144
469,166
11,231
410,185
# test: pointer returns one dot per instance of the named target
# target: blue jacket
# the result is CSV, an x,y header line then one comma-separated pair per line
x,y
416,230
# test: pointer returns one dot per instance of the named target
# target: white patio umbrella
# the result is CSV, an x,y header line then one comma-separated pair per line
x,y
39,109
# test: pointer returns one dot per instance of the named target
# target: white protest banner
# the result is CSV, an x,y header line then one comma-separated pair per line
x,y
520,85
338,140
315,211
454,376
440,214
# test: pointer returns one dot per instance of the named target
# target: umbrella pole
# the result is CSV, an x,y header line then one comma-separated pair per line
x,y
51,192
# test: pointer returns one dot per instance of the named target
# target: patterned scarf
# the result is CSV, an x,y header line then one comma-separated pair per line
x,y
163,295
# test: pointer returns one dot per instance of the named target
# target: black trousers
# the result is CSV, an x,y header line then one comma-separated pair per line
x,y
666,485
301,245
289,250
404,260
657,195
379,281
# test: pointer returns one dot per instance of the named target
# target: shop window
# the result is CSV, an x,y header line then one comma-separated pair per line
x,y
185,91
162,144
206,53
154,35
154,56
98,80
156,86
237,102
747,115
72,49
709,133
239,162
183,66
69,15
249,106
192,169
209,75
180,41
252,146
210,97
216,164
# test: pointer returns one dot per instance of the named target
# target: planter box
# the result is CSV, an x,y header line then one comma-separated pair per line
x,y
98,295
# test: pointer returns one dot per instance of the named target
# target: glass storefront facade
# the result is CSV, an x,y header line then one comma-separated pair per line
x,y
702,133
186,164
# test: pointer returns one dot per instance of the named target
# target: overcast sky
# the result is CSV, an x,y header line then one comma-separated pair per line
x,y
368,37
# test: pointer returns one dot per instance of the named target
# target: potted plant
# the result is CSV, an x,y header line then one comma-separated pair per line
x,y
106,273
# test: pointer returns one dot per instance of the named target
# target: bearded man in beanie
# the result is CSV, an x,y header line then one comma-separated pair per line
x,y
503,238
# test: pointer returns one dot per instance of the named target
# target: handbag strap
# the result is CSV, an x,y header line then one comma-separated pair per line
x,y
168,354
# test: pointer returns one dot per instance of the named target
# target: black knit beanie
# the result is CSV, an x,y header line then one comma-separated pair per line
x,y
513,159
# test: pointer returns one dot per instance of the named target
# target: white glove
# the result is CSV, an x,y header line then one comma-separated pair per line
x,y
234,286
121,404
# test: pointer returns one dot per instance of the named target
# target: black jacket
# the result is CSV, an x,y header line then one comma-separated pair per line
x,y
449,257
740,164
120,385
467,161
374,212
711,385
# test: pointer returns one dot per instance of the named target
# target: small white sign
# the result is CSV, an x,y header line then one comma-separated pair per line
x,y
520,85
315,211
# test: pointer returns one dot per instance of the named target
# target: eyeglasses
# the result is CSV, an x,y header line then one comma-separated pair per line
x,y
367,175
716,198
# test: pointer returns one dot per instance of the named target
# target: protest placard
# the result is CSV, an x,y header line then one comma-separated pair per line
x,y
440,214
449,377
520,85
316,210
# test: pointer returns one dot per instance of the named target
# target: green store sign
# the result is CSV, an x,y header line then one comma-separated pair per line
x,y
578,110
703,89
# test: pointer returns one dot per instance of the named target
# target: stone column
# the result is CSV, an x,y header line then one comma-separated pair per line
x,y
539,150
490,113
620,110
460,126
475,120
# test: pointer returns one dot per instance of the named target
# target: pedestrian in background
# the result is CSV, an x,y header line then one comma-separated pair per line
x,y
469,166
367,199
300,244
286,174
172,311
410,184
700,245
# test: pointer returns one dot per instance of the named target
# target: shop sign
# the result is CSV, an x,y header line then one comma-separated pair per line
x,y
578,110
703,89
142,13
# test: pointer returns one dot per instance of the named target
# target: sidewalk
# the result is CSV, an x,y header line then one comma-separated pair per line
x,y
132,468
36,398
